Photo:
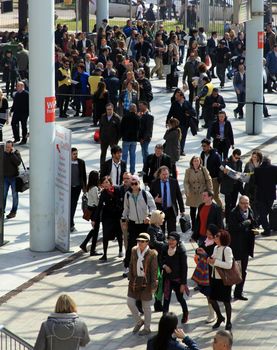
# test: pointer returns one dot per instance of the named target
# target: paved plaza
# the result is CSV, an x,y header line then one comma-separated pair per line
x,y
27,295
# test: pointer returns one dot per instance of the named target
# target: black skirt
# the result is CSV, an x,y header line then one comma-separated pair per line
x,y
220,292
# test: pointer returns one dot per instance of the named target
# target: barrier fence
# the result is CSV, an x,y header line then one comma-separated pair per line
x,y
10,341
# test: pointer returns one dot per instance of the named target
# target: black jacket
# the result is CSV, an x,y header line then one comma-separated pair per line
x,y
175,193
214,217
213,162
182,113
152,164
146,127
11,162
130,125
113,86
110,130
107,168
213,111
265,180
145,91
242,237
82,172
228,133
228,185
177,263
21,103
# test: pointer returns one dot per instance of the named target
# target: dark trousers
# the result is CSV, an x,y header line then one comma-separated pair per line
x,y
263,209
93,233
241,103
239,287
193,211
192,92
16,119
104,147
63,101
134,230
220,71
169,220
184,130
173,285
8,84
222,148
75,193
230,202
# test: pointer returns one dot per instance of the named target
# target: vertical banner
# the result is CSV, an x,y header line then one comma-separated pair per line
x,y
49,109
1,193
62,187
260,40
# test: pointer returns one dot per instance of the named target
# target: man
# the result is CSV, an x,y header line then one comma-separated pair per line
x,y
114,167
205,92
20,110
190,71
271,63
208,213
139,11
270,39
212,161
109,131
113,86
10,71
183,111
89,65
222,59
223,341
231,187
175,270
146,128
241,226
213,105
64,87
145,88
125,186
78,182
202,43
83,45
130,132
211,51
240,88
143,48
131,41
153,163
11,162
265,178
168,197
22,57
82,88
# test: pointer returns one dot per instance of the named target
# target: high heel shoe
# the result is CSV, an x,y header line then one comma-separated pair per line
x,y
228,326
218,322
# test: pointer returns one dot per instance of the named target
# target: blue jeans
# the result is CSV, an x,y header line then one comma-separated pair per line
x,y
144,150
10,181
131,148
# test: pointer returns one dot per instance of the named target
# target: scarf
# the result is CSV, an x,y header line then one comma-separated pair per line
x,y
208,242
141,254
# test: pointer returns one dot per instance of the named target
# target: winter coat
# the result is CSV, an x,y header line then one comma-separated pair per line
x,y
195,183
172,144
62,332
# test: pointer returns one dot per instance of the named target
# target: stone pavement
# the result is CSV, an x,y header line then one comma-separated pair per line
x,y
100,291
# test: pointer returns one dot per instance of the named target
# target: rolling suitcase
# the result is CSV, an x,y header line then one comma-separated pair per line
x,y
273,217
172,80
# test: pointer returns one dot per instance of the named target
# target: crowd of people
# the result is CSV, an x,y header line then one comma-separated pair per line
x,y
109,80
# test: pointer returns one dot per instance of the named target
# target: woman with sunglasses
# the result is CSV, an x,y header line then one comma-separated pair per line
x,y
109,209
222,257
138,206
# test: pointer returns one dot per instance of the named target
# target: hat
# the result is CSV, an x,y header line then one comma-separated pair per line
x,y
143,237
135,178
174,235
213,229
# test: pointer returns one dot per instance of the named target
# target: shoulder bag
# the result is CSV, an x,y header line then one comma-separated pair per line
x,y
230,276
22,181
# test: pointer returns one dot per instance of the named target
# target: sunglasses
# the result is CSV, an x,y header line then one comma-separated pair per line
x,y
134,183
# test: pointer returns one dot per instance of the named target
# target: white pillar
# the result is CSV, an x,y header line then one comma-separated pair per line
x,y
204,14
254,72
102,11
42,85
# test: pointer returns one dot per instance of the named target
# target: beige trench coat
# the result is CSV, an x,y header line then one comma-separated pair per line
x,y
195,183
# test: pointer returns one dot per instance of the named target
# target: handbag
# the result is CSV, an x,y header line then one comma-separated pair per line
x,y
22,181
201,272
87,214
230,276
96,135
185,223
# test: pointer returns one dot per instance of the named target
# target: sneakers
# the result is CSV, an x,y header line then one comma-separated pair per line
x,y
138,326
11,215
144,332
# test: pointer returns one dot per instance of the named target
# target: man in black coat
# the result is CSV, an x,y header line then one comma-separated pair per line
x,y
211,51
222,58
213,104
145,87
83,45
212,161
146,128
20,110
113,86
78,182
114,167
230,186
208,213
168,197
241,225
183,111
265,178
153,162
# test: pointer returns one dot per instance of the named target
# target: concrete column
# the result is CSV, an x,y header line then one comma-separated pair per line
x,y
42,133
85,15
254,72
102,11
22,13
204,14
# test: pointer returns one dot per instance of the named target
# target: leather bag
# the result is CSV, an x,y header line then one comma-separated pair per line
x,y
230,276
22,181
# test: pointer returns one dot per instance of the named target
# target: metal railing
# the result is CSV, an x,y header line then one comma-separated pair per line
x,y
10,341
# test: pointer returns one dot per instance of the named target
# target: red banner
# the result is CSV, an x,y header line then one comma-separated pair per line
x,y
50,104
260,40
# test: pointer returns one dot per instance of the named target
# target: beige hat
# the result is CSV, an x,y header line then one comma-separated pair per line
x,y
143,237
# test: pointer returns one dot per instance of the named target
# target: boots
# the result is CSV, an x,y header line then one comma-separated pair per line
x,y
212,316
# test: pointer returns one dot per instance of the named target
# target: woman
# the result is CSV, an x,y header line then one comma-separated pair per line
x,y
93,194
202,273
110,210
72,43
130,78
143,270
127,97
63,329
4,106
157,240
254,162
100,99
197,179
166,339
172,137
222,134
222,257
